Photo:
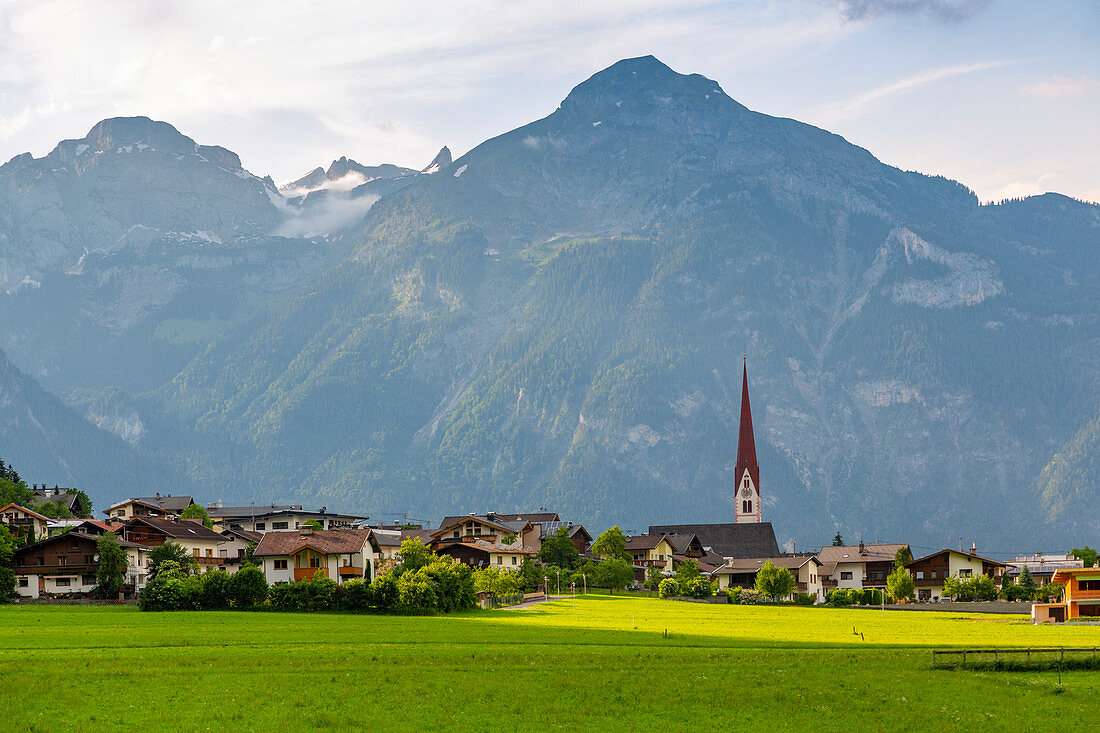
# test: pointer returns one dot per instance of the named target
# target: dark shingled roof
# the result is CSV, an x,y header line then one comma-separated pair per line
x,y
729,540
242,512
167,503
184,528
752,564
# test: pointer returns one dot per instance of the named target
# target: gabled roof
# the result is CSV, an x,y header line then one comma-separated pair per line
x,y
185,529
549,528
729,540
168,502
67,498
245,534
831,554
532,517
753,564
647,542
504,525
73,534
326,541
682,541
25,510
124,502
957,552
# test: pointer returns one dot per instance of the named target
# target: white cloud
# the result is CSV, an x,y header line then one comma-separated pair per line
x,y
860,104
1063,86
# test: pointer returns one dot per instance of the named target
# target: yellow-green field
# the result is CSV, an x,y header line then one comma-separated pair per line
x,y
607,664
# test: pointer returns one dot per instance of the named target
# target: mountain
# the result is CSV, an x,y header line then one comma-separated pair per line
x,y
343,174
123,253
559,317
44,439
441,160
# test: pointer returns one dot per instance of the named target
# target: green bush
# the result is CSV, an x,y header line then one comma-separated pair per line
x,y
748,597
697,588
384,592
839,597
668,588
215,591
734,594
416,591
804,599
247,587
165,592
354,595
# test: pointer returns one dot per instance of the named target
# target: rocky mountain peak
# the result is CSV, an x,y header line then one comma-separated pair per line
x,y
635,86
441,160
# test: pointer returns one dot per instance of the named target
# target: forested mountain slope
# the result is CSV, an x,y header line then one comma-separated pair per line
x,y
558,318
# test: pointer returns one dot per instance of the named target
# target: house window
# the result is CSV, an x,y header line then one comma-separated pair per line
x,y
88,580
456,534
513,559
932,574
920,575
280,564
195,551
62,560
62,582
965,572
1088,584
41,561
846,576
280,525
89,559
23,582
500,560
261,526
209,552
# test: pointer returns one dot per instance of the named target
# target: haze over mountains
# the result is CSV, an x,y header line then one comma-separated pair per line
x,y
558,318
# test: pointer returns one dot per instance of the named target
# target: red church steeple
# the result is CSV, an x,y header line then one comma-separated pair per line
x,y
747,472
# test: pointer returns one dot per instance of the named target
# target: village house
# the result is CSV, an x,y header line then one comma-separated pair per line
x,y
489,527
67,564
24,522
650,551
1041,566
69,499
930,571
806,569
576,533
288,519
166,506
1081,596
859,566
208,548
339,554
483,553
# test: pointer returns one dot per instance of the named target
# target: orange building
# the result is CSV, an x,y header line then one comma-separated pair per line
x,y
1080,598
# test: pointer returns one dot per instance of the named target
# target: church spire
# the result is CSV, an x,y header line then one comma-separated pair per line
x,y
747,473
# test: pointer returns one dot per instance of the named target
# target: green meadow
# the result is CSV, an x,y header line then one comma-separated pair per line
x,y
600,662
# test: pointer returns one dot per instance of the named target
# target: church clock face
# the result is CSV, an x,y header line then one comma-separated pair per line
x,y
746,492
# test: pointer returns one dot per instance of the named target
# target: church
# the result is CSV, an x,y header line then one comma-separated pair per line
x,y
748,535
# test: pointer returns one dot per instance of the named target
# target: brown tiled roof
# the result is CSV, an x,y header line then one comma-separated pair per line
x,y
752,564
173,528
499,522
167,503
245,534
25,510
328,541
830,555
645,542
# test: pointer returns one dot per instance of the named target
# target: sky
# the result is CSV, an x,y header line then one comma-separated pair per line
x,y
1001,95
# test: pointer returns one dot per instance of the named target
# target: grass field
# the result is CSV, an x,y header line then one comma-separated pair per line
x,y
552,666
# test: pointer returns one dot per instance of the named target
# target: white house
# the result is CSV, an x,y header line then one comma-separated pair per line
x,y
340,554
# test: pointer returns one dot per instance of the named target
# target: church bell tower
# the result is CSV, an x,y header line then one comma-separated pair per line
x,y
747,474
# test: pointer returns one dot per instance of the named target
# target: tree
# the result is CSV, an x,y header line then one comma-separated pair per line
x,y
952,586
558,549
903,557
773,582
614,573
687,573
653,577
530,575
172,552
838,541
7,545
249,557
111,573
1087,555
314,524
900,584
611,544
413,555
198,511
1027,582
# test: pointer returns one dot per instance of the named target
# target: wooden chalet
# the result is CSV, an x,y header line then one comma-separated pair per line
x,y
930,571
208,548
67,564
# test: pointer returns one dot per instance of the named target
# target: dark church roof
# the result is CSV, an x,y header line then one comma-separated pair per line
x,y
746,442
728,540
